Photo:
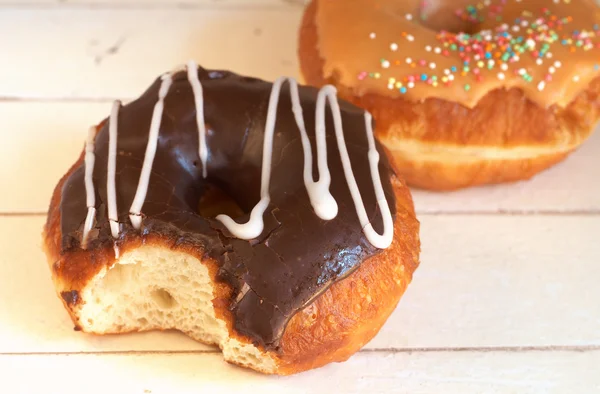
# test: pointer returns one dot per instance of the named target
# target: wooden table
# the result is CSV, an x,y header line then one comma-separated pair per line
x,y
506,299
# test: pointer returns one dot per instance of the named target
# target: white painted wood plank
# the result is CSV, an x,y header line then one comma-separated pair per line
x,y
484,281
118,53
42,140
450,372
489,281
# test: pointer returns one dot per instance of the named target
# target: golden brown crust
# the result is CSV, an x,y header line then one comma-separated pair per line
x,y
502,120
352,311
439,176
336,325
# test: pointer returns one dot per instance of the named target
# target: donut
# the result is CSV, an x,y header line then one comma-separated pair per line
x,y
463,93
195,208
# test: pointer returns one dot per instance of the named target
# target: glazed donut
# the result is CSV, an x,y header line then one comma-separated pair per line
x,y
195,208
463,95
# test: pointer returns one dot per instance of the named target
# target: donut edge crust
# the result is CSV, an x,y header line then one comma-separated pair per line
x,y
337,324
442,146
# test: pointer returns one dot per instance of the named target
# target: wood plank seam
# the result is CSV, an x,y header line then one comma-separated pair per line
x,y
64,100
118,6
516,212
487,349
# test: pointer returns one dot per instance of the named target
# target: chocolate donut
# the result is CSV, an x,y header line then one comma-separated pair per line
x,y
218,169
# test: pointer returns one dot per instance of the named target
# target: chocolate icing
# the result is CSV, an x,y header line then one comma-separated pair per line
x,y
298,255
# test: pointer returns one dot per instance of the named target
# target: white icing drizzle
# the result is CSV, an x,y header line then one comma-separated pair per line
x,y
321,199
89,168
111,190
89,186
192,70
87,227
384,240
142,189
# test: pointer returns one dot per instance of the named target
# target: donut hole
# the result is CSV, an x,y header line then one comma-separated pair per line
x,y
441,15
215,202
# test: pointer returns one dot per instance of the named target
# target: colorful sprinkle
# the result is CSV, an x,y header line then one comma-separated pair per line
x,y
541,86
532,36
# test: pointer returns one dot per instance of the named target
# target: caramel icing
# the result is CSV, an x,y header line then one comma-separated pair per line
x,y
419,49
